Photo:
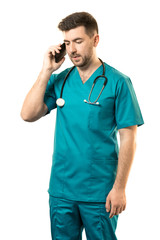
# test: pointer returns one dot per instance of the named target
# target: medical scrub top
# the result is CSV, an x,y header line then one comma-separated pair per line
x,y
85,155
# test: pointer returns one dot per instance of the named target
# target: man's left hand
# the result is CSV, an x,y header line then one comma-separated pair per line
x,y
115,202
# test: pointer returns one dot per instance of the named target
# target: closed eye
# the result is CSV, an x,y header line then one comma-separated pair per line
x,y
76,40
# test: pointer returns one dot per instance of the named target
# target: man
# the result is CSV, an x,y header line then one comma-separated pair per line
x,y
89,172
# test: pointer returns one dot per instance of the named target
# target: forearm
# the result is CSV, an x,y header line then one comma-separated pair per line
x,y
33,102
125,159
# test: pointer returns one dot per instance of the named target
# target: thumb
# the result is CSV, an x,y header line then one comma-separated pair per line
x,y
108,204
62,60
57,65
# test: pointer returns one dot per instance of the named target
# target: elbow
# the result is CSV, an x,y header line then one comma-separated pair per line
x,y
31,116
25,117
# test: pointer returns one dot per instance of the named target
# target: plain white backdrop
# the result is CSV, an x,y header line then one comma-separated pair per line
x,y
129,41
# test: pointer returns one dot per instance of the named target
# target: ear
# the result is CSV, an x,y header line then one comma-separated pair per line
x,y
96,40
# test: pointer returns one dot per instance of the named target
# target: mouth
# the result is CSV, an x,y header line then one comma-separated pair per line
x,y
76,57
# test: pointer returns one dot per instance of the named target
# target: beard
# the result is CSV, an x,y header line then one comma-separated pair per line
x,y
81,61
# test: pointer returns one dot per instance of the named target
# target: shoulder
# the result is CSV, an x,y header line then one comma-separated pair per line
x,y
117,80
57,77
115,74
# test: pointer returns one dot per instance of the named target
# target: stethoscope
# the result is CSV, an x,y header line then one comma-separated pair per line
x,y
60,101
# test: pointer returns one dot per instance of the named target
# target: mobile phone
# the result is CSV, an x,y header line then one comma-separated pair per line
x,y
59,56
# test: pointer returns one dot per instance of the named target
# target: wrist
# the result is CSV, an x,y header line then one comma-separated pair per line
x,y
118,187
44,76
47,71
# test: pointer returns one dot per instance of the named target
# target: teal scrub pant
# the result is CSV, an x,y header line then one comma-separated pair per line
x,y
69,218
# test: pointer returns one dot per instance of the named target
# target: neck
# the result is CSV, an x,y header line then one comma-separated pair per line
x,y
87,70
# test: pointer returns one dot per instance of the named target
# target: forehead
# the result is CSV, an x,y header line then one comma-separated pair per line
x,y
78,32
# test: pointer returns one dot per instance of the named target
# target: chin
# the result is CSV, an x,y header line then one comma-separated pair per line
x,y
79,63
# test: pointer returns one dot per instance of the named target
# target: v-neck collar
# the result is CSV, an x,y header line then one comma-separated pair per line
x,y
93,76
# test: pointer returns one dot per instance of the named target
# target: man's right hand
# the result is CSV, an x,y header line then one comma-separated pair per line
x,y
49,63
34,107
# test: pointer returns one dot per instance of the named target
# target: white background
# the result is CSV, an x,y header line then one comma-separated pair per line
x,y
129,41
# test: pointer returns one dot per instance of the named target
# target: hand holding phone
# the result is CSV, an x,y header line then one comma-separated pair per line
x,y
59,56
53,60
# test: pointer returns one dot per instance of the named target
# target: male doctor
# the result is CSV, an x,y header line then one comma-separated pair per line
x,y
89,172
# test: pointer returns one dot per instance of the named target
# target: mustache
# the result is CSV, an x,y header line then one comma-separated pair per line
x,y
74,55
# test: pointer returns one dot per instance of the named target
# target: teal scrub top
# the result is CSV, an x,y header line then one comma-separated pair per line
x,y
85,156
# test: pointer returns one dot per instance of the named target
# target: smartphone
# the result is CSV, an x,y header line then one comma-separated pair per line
x,y
59,56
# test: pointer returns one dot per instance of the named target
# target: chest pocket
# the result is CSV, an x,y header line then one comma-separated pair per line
x,y
102,117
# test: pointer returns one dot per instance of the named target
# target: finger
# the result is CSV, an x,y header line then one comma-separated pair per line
x,y
112,215
124,207
108,205
54,46
58,51
113,212
54,49
119,210
51,52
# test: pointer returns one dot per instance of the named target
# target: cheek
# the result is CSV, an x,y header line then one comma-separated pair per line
x,y
85,49
81,48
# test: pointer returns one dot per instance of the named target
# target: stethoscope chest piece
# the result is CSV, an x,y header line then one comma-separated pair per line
x,y
96,103
60,102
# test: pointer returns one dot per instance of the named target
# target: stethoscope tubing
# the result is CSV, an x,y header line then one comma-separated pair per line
x,y
65,80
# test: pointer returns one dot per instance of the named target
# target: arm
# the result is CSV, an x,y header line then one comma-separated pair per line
x,y
126,155
116,198
34,107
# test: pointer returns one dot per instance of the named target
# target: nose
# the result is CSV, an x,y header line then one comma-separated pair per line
x,y
72,48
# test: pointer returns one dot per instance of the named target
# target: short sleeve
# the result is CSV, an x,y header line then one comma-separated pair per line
x,y
127,110
49,96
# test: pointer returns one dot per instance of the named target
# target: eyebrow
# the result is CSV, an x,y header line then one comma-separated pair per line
x,y
75,39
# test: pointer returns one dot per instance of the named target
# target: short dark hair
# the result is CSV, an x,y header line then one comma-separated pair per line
x,y
79,19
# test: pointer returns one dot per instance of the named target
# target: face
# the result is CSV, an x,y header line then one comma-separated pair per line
x,y
79,46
